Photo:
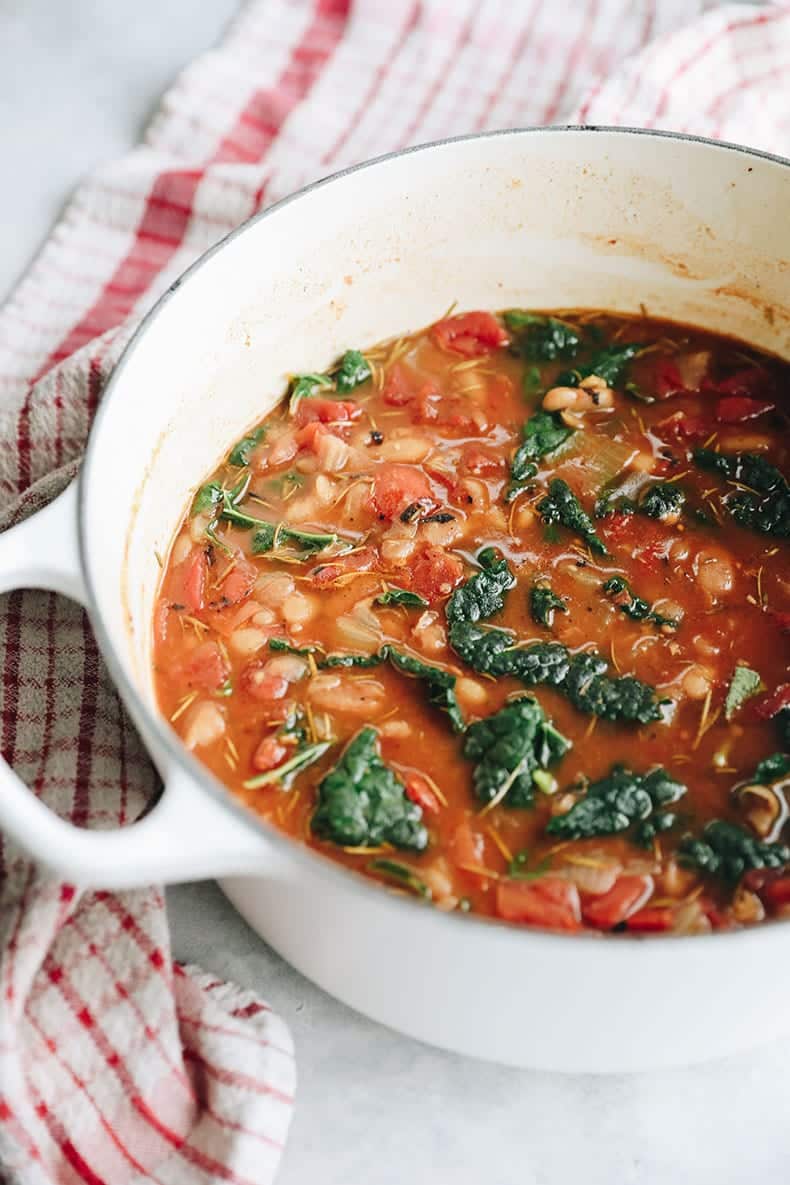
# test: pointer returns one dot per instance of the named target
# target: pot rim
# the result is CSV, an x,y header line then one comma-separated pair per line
x,y
167,739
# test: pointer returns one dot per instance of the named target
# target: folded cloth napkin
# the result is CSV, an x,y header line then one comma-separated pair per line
x,y
117,1065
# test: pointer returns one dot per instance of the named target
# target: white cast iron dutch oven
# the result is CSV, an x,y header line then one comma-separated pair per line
x,y
570,217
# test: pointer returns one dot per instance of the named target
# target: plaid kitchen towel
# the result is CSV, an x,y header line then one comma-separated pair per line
x,y
118,1066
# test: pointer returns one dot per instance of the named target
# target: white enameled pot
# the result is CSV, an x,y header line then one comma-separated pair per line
x,y
573,217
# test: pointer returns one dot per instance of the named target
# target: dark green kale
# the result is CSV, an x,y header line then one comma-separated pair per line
x,y
743,685
782,722
226,505
401,596
354,369
240,453
403,876
618,802
541,338
362,803
662,500
544,603
608,364
283,645
483,594
633,606
772,769
305,385
562,506
490,650
727,850
208,498
761,500
271,535
293,732
543,434
439,684
512,749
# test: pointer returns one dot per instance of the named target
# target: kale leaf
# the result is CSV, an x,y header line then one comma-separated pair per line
x,y
401,596
543,434
764,502
541,338
662,500
727,850
362,803
543,603
305,385
772,769
633,606
240,453
561,505
510,749
439,684
743,685
619,801
225,504
782,722
490,650
354,369
608,364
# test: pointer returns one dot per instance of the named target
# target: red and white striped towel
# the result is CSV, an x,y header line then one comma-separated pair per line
x,y
117,1066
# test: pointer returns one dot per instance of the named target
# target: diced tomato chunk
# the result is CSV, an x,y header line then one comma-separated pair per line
x,y
738,409
773,703
468,845
190,580
683,426
668,379
426,405
309,436
397,486
435,573
647,540
260,685
781,619
398,387
206,667
326,411
269,754
549,901
749,382
419,792
237,585
625,897
358,561
480,461
471,334
776,892
651,919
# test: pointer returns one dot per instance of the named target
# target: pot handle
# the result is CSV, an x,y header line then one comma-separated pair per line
x,y
188,835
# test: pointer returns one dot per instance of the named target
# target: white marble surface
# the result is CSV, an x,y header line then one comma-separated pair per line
x,y
77,79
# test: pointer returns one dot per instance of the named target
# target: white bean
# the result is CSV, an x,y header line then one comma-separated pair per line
x,y
181,549
205,723
272,588
715,574
287,666
332,453
298,609
471,693
358,697
407,447
397,729
697,682
247,640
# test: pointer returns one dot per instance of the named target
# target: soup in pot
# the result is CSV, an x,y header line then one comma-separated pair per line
x,y
497,614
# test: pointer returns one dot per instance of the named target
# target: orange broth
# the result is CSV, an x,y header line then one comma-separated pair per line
x,y
410,471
